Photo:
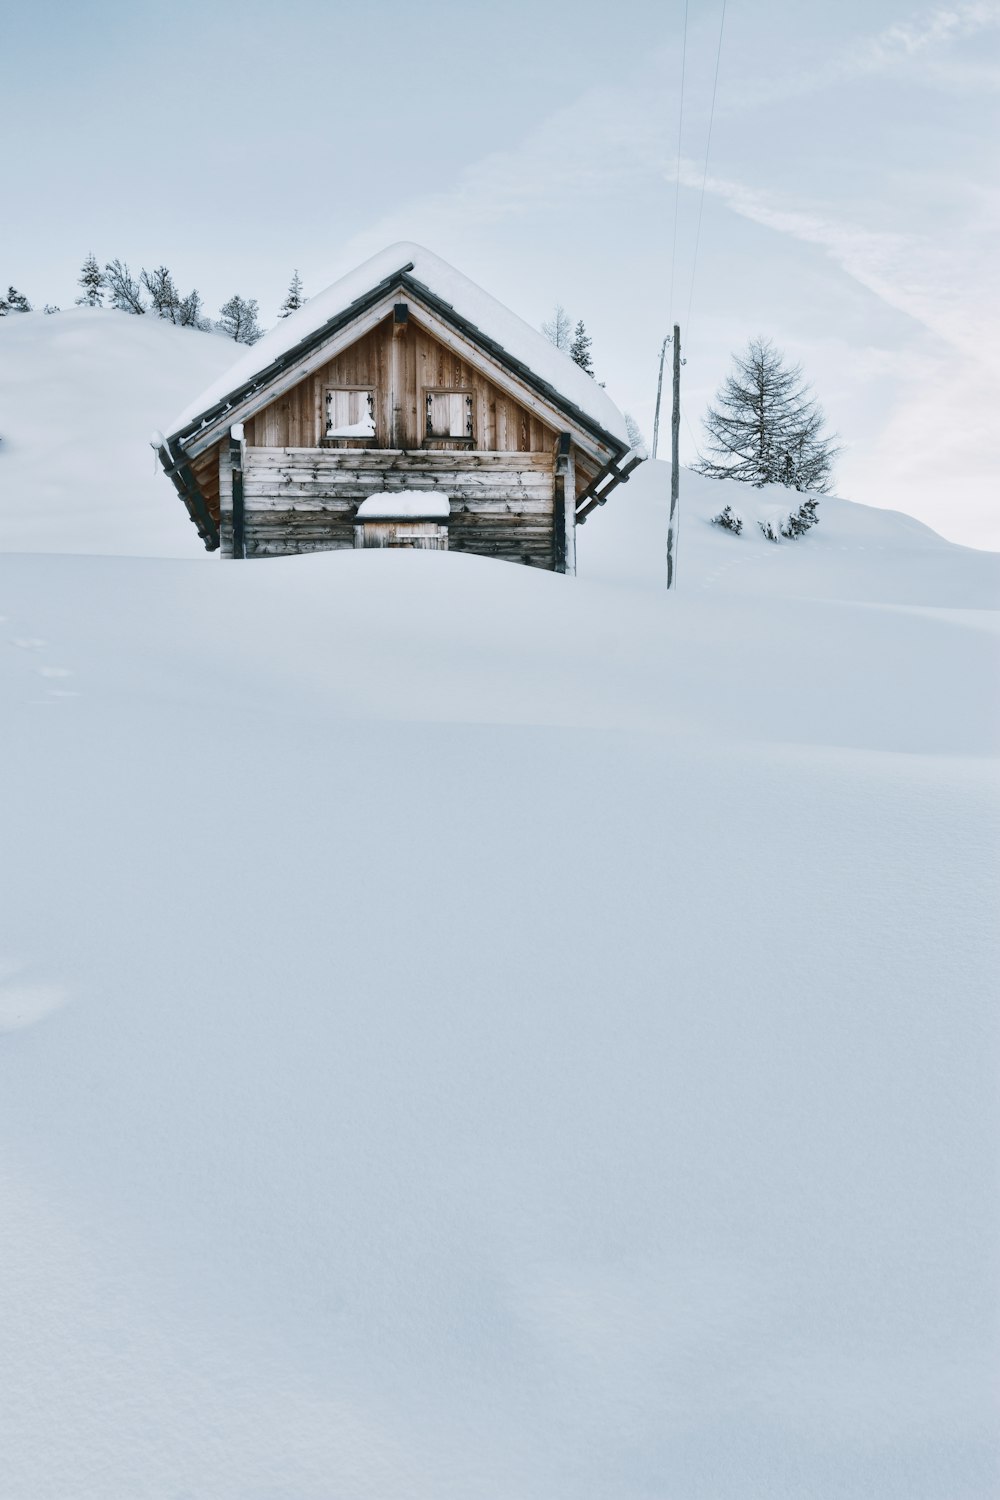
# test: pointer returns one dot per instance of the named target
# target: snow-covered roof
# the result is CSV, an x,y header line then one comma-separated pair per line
x,y
516,337
397,505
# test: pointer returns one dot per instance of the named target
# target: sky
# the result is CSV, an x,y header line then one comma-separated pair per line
x,y
848,207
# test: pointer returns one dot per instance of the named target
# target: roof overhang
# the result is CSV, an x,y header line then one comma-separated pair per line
x,y
365,312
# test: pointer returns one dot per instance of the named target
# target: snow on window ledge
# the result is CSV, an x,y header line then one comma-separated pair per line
x,y
402,505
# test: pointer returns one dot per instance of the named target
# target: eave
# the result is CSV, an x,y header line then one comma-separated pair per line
x,y
209,426
399,281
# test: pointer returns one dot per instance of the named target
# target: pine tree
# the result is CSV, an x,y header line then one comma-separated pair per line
x,y
579,349
238,318
91,280
123,289
163,294
14,301
557,330
294,299
634,431
766,427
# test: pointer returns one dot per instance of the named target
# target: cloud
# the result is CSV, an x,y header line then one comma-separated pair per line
x,y
925,49
947,284
921,38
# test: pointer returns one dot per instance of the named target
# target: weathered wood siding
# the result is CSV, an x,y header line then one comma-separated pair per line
x,y
400,370
301,491
304,499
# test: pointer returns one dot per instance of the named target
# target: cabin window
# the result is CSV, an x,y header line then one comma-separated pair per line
x,y
449,415
350,412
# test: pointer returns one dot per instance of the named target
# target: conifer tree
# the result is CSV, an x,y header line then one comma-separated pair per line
x,y
579,349
635,437
766,427
294,300
91,281
238,318
14,301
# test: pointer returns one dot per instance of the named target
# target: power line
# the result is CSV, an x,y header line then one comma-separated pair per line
x,y
677,180
704,178
691,435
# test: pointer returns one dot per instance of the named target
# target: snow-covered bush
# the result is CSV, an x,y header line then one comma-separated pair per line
x,y
796,523
729,520
238,319
799,521
123,289
14,301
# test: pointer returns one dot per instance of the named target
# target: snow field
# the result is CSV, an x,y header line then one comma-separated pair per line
x,y
468,1033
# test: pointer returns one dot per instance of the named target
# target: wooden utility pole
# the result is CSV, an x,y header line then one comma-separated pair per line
x,y
659,394
675,473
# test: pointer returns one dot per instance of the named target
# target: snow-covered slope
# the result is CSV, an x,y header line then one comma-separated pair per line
x,y
474,1033
80,393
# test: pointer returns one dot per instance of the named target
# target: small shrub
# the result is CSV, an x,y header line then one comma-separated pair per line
x,y
799,521
768,530
729,520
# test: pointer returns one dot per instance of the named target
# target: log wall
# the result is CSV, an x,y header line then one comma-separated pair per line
x,y
304,499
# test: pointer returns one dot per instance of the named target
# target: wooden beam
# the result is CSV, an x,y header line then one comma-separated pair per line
x,y
236,469
565,512
571,514
186,486
600,488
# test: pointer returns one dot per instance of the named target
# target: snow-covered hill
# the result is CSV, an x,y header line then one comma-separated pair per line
x,y
473,1033
81,391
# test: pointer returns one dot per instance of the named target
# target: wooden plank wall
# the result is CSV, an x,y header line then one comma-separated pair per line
x,y
400,369
305,499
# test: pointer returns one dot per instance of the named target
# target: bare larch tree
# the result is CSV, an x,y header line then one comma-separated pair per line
x,y
766,427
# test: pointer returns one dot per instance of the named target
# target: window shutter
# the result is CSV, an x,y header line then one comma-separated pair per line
x,y
347,410
449,414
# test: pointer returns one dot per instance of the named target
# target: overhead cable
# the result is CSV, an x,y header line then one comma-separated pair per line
x,y
677,180
704,176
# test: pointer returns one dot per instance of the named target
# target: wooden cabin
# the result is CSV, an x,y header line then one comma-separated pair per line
x,y
404,407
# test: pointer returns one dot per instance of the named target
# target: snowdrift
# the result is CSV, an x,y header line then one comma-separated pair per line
x,y
80,393
471,1033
